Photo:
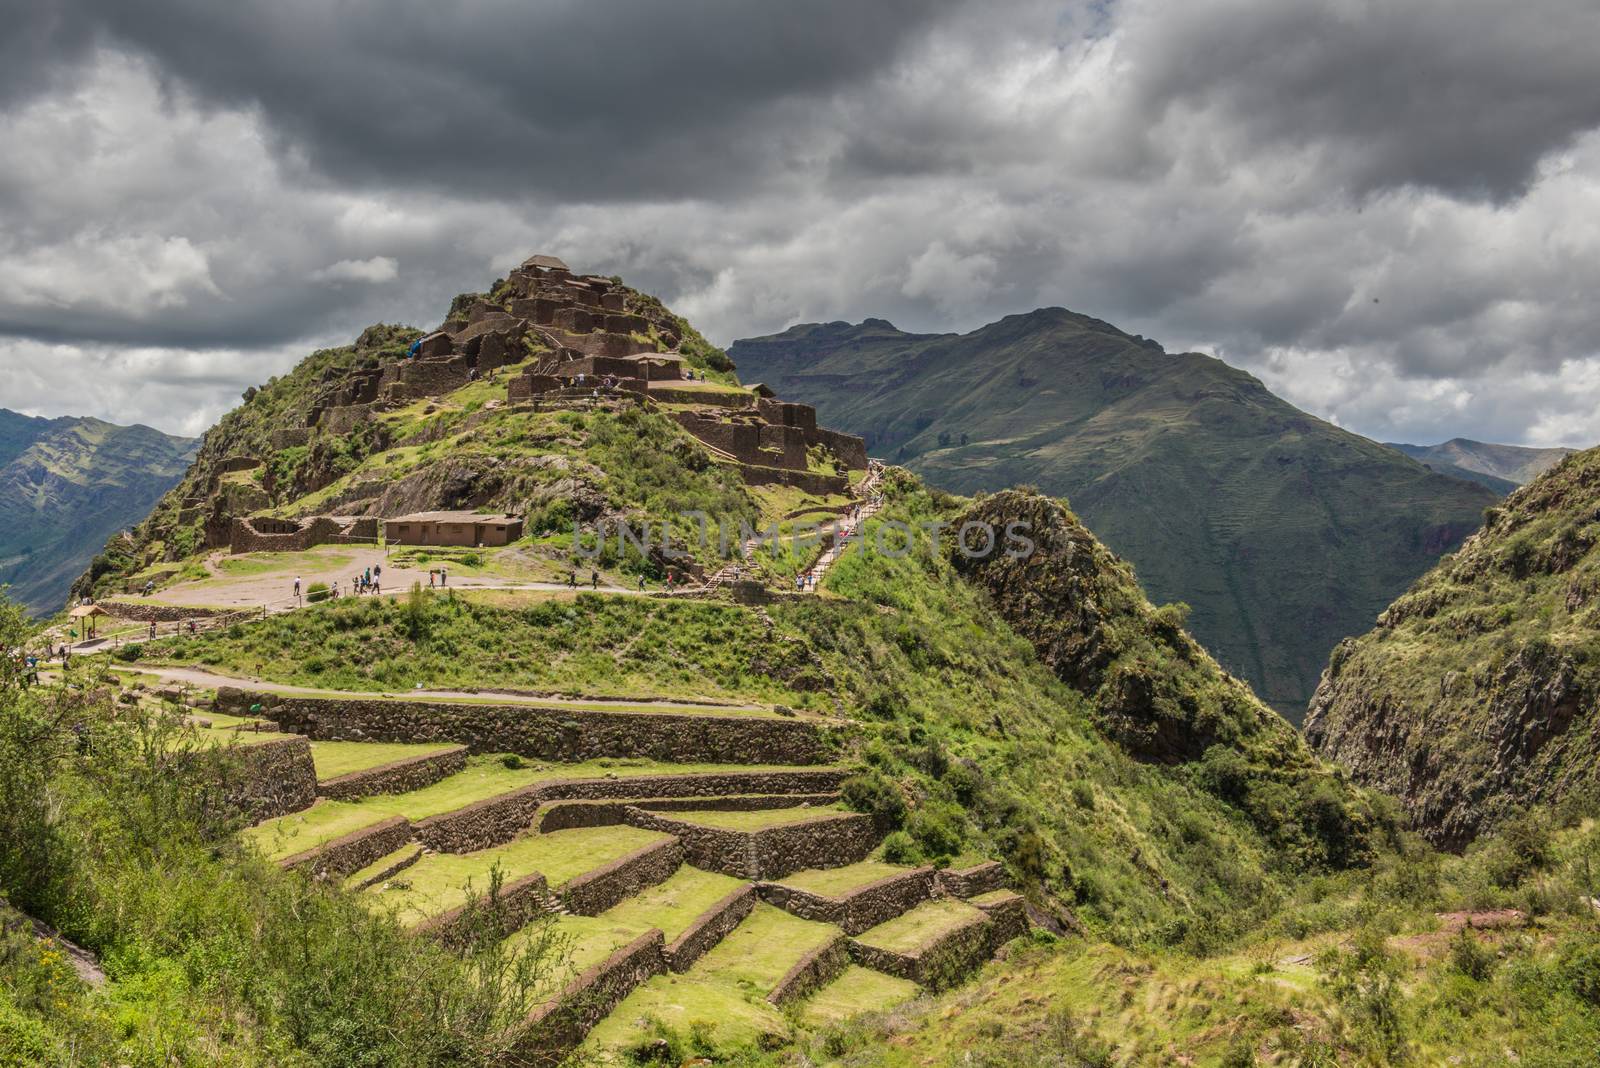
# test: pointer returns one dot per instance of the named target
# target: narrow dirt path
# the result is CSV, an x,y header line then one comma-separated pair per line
x,y
212,679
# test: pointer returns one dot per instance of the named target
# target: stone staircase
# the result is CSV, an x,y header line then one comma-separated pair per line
x,y
687,888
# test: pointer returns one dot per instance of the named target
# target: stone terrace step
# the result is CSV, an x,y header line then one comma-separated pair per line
x,y
856,897
731,985
436,884
350,770
386,866
562,815
560,733
488,803
765,844
935,945
855,991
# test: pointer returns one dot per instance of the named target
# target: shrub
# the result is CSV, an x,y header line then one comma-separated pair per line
x,y
1470,957
129,653
939,829
317,591
901,848
876,795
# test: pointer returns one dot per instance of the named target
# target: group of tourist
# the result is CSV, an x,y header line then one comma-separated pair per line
x,y
594,579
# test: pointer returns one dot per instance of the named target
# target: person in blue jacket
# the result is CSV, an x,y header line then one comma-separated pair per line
x,y
416,347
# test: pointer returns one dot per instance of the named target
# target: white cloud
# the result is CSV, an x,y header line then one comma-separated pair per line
x,y
371,271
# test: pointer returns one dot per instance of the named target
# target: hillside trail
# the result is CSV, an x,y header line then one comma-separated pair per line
x,y
841,529
848,530
200,677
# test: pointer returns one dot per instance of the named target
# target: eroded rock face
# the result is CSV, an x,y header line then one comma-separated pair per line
x,y
1155,690
1478,691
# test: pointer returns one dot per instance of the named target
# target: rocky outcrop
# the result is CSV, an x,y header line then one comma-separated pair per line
x,y
1477,693
1154,689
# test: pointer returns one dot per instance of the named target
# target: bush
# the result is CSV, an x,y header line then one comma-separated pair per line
x,y
877,796
939,829
901,848
1470,957
129,653
317,591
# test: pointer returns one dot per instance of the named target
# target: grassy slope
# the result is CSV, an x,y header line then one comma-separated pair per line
x,y
987,752
1282,532
1477,692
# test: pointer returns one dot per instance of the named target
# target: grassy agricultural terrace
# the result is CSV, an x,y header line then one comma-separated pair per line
x,y
576,897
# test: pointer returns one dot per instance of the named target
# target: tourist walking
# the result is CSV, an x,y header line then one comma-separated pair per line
x,y
297,587
594,580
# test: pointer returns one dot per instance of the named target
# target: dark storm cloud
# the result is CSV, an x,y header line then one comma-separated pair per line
x,y
593,99
1467,97
1382,208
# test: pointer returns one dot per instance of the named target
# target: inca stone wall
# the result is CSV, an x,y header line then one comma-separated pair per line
x,y
710,927
830,841
939,964
400,777
859,910
568,735
556,1028
593,892
813,971
269,779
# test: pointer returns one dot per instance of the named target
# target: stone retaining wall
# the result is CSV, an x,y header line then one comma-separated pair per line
x,y
270,779
392,870
593,892
941,963
970,882
520,901
813,971
827,842
399,777
861,909
566,815
568,735
808,481
1009,915
354,851
555,1029
709,928
155,612
495,820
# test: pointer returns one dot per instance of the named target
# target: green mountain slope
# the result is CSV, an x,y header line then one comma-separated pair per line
x,y
68,485
1493,465
1478,692
1282,532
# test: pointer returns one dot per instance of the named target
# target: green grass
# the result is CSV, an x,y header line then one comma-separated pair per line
x,y
757,820
675,904
484,777
991,897
438,882
836,882
381,864
726,988
855,991
912,930
334,759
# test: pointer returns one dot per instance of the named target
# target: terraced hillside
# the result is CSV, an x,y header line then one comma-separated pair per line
x,y
695,896
1282,532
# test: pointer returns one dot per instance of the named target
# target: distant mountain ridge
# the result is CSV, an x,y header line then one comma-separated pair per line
x,y
68,484
1500,467
1282,532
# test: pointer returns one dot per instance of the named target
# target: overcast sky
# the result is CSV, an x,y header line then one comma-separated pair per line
x,y
1390,211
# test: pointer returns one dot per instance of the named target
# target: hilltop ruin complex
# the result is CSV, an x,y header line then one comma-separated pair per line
x,y
570,340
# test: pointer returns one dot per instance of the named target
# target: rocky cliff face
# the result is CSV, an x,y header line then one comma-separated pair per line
x,y
1479,690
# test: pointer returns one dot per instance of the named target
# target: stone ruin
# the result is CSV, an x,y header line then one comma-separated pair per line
x,y
595,339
